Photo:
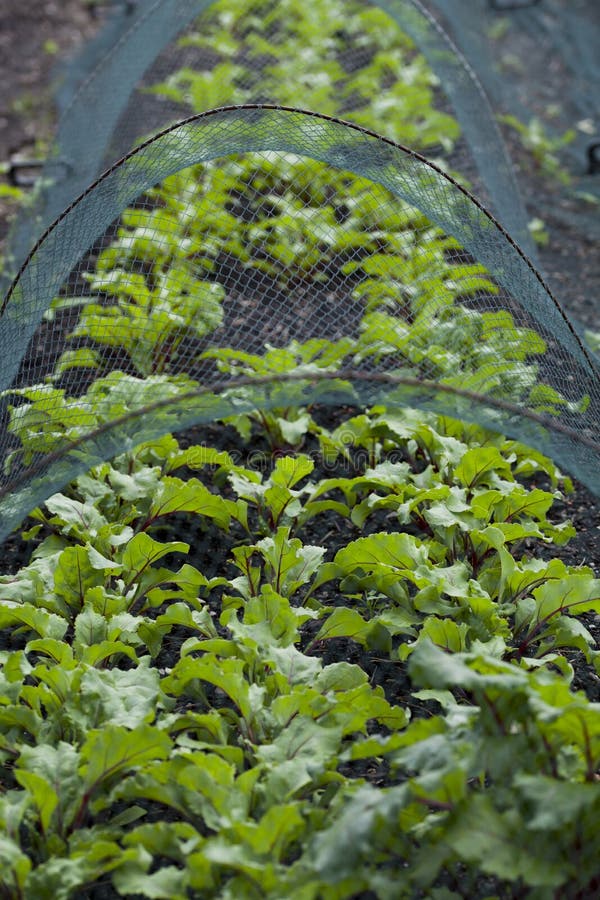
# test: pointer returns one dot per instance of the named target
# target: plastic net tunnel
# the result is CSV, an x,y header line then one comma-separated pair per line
x,y
379,65
538,64
262,256
299,451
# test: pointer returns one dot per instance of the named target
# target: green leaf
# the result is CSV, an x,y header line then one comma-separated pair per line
x,y
494,842
574,594
279,501
198,456
43,794
83,357
134,486
142,551
293,431
482,465
227,674
557,804
269,619
59,651
37,620
50,774
344,622
444,633
114,750
120,697
98,561
74,576
298,756
15,866
82,520
289,564
174,495
364,813
168,883
90,857
90,628
396,552
433,667
99,653
181,614
294,666
289,470
281,826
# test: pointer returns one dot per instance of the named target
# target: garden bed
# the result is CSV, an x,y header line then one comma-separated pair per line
x,y
307,652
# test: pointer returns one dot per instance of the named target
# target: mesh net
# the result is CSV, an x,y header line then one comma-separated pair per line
x,y
260,257
539,64
157,61
114,18
508,44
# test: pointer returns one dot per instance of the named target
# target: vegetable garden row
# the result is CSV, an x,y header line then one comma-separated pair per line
x,y
304,653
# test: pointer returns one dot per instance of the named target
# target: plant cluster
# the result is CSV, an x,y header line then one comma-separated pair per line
x,y
331,664
181,732
298,55
421,307
542,146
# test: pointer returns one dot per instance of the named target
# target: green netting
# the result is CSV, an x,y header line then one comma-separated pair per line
x,y
507,48
349,58
540,66
267,257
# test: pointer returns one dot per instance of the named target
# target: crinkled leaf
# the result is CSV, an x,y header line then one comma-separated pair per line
x,y
115,749
121,696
